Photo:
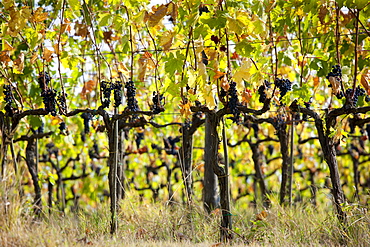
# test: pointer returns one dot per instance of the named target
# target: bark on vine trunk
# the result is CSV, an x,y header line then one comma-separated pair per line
x,y
256,157
210,194
186,157
328,147
283,139
32,168
112,175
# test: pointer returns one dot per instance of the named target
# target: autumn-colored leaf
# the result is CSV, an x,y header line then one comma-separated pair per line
x,y
335,84
143,150
108,36
19,64
246,96
316,81
81,30
322,13
172,11
39,15
262,215
218,74
185,109
4,57
166,40
157,15
47,55
365,81
143,62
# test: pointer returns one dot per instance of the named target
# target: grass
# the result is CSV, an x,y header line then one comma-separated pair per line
x,y
158,224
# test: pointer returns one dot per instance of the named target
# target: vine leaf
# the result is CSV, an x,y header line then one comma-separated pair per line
x,y
166,40
19,64
157,15
365,81
47,55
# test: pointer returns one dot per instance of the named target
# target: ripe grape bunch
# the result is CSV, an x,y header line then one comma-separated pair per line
x,y
86,116
8,99
335,77
130,94
117,87
48,97
157,103
43,80
106,87
48,94
233,102
284,86
358,92
62,100
262,92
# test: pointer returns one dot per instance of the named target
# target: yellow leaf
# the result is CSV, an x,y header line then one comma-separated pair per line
x,y
143,62
300,12
34,58
166,40
208,96
47,55
56,120
185,109
19,64
8,47
172,10
242,73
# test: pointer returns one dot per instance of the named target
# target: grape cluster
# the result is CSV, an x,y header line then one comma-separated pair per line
x,y
62,100
106,87
130,94
117,87
43,80
367,98
157,103
86,116
336,71
262,92
48,97
233,102
62,127
8,99
284,86
358,92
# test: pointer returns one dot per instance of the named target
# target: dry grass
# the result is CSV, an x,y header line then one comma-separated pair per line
x,y
158,224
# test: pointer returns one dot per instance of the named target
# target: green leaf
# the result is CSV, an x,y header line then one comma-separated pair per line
x,y
35,121
244,48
